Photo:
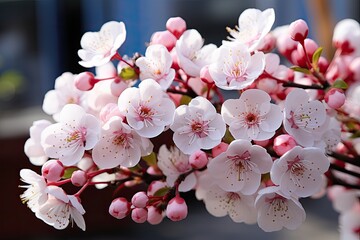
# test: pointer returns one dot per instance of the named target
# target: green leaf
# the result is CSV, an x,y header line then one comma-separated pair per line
x,y
162,191
128,73
300,69
340,84
355,135
185,99
316,56
69,171
228,138
150,159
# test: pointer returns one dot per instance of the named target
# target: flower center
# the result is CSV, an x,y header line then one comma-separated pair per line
x,y
251,119
296,167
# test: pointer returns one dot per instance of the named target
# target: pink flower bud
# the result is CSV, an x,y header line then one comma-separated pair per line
x,y
139,215
85,81
269,43
298,30
335,98
154,215
176,25
176,209
53,170
140,200
198,159
283,143
205,75
154,187
119,208
217,150
323,64
79,178
165,38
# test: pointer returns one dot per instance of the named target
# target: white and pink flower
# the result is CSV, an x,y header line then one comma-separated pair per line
x,y
148,109
157,65
252,116
120,145
197,126
76,132
236,68
299,171
276,210
99,47
239,169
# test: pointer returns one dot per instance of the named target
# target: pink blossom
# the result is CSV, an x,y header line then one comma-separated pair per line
x,y
76,132
172,162
164,38
253,26
238,68
32,148
198,159
239,169
192,55
99,47
119,145
197,126
299,171
157,65
276,210
335,98
147,108
252,116
283,143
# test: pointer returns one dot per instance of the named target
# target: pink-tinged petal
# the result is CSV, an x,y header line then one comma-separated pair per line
x,y
132,157
238,147
150,91
251,181
128,98
188,183
239,133
78,218
256,66
105,155
243,210
72,114
215,202
58,193
203,106
185,143
273,119
220,128
272,62
231,108
51,102
261,158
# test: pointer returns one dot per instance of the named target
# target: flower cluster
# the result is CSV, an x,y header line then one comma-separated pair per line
x,y
249,135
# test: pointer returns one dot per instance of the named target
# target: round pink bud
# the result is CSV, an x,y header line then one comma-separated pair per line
x,y
217,150
176,25
85,81
323,64
154,215
335,98
283,143
298,30
53,170
165,38
205,75
155,186
198,159
119,208
176,209
79,178
140,200
139,215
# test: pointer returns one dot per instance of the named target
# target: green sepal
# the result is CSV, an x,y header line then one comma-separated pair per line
x,y
162,191
316,56
69,171
228,138
128,73
150,159
300,69
341,84
185,99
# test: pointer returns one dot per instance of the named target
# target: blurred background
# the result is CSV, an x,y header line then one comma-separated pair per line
x,y
39,41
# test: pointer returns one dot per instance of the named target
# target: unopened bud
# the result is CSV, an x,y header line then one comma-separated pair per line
x,y
335,98
85,81
154,215
176,25
164,38
140,200
53,170
119,208
177,209
139,215
198,159
283,143
298,30
79,178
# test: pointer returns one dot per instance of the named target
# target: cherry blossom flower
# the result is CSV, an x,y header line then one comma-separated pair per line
x,y
252,116
99,47
303,118
172,162
120,145
76,132
32,148
238,206
157,65
236,68
197,126
192,55
239,169
65,92
276,210
253,27
35,195
147,108
299,171
61,209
